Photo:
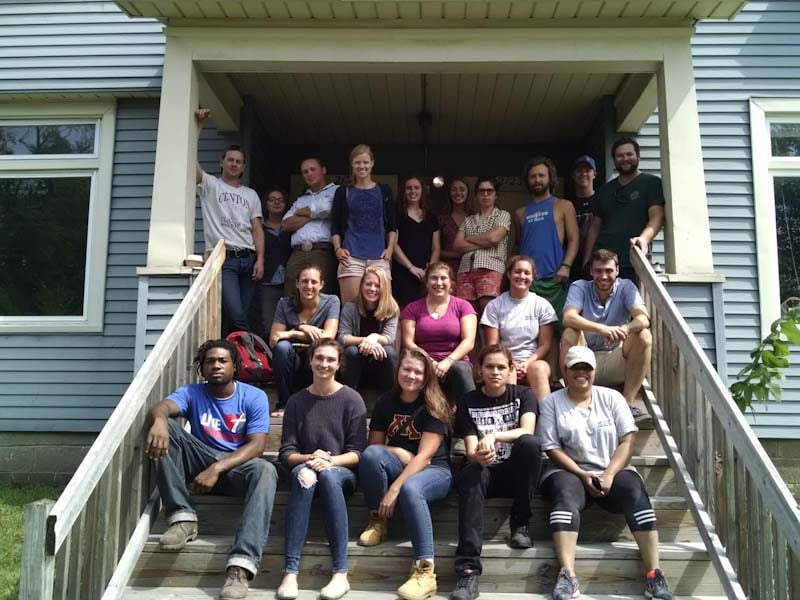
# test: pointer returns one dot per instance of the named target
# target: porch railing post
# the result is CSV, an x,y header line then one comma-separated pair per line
x,y
37,572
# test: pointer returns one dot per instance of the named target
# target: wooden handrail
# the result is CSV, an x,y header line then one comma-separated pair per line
x,y
689,372
117,451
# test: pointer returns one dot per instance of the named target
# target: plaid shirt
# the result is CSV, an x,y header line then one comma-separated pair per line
x,y
494,257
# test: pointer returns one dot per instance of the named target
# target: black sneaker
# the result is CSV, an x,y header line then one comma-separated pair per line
x,y
639,416
566,586
520,538
467,587
655,586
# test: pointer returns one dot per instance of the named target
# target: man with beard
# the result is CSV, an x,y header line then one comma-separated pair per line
x,y
629,209
222,454
608,315
542,226
309,221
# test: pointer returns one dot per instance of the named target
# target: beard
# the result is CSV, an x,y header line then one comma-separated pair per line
x,y
540,188
627,168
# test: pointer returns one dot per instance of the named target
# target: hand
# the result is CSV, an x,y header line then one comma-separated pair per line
x,y
319,462
157,444
485,458
522,370
403,455
562,274
388,502
202,115
606,480
258,270
639,242
313,333
205,481
487,442
614,334
442,367
586,478
378,352
387,254
303,212
344,256
417,272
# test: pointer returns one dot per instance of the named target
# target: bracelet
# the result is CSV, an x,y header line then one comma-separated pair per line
x,y
563,265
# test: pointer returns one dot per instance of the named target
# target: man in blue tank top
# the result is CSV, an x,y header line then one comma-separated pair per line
x,y
543,226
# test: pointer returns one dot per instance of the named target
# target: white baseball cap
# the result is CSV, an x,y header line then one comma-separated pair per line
x,y
580,354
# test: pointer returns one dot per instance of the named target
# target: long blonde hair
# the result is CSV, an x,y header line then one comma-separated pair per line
x,y
435,400
387,305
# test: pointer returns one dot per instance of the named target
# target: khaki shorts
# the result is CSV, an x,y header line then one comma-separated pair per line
x,y
359,265
610,367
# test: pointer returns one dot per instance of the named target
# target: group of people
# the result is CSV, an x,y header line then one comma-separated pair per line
x,y
337,273
402,463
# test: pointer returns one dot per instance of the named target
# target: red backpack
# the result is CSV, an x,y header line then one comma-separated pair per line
x,y
255,356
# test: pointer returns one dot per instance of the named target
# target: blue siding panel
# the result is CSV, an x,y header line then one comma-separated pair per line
x,y
78,46
85,375
755,55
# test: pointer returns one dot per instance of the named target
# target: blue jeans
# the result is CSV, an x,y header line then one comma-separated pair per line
x,y
332,486
238,288
254,480
378,467
290,370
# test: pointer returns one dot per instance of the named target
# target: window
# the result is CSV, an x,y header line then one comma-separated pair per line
x,y
775,136
55,189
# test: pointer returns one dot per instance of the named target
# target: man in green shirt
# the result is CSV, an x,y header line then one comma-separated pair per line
x,y
628,210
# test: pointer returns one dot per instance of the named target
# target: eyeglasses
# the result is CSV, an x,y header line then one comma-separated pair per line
x,y
486,190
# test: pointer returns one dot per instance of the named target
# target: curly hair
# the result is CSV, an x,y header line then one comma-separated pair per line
x,y
200,357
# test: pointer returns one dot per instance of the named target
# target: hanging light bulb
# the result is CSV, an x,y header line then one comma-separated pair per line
x,y
438,181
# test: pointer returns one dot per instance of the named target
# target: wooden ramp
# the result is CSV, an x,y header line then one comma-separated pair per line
x,y
608,564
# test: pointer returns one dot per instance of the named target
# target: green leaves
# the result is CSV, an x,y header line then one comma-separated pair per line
x,y
761,379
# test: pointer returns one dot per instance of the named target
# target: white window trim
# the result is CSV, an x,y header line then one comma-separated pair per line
x,y
100,167
765,168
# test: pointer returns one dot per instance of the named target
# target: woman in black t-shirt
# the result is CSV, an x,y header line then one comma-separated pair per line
x,y
406,464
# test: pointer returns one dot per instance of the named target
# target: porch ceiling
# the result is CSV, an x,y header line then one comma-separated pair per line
x,y
438,14
307,108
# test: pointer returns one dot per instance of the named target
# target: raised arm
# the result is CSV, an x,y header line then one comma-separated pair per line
x,y
201,115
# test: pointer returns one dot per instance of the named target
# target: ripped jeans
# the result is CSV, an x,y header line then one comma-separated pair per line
x,y
332,486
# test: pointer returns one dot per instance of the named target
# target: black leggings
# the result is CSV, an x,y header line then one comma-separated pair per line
x,y
568,497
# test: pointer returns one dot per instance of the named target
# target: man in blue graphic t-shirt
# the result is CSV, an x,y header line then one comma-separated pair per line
x,y
230,422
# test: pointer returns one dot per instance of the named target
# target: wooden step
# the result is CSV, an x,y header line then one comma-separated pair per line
x,y
185,593
219,515
602,568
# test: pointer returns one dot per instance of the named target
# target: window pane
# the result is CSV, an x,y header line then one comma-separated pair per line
x,y
785,139
46,139
43,233
787,216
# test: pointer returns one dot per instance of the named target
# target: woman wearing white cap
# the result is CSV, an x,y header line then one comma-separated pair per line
x,y
587,432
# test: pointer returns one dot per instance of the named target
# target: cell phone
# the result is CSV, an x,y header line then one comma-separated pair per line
x,y
596,483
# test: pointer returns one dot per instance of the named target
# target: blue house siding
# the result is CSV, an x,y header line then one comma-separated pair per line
x,y
72,382
755,55
79,46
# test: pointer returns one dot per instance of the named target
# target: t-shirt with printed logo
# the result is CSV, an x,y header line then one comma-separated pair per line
x,y
390,416
223,423
228,212
479,414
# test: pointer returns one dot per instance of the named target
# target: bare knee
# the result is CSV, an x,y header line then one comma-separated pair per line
x,y
538,370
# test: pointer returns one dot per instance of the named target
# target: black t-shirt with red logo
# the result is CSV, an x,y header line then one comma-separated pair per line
x,y
390,416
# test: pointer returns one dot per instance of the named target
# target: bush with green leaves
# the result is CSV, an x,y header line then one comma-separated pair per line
x,y
760,380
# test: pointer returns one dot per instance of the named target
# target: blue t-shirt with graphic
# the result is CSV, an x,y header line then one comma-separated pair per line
x,y
223,423
365,237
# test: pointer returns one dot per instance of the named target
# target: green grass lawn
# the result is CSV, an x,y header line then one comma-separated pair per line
x,y
13,499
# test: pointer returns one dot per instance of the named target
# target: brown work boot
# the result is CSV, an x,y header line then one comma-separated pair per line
x,y
375,532
422,583
237,580
178,535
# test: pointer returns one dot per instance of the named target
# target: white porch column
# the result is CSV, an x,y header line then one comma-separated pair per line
x,y
172,214
687,239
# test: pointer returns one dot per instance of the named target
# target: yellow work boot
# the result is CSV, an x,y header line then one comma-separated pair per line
x,y
375,532
422,583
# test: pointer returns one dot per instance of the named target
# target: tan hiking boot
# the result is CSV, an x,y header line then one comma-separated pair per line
x,y
178,535
422,583
375,532
237,581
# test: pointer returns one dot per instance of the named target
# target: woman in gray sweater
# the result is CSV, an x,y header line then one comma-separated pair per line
x,y
324,433
367,330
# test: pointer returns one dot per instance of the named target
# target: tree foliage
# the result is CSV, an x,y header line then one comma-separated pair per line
x,y
760,380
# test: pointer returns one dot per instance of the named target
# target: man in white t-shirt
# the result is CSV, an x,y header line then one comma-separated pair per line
x,y
232,212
